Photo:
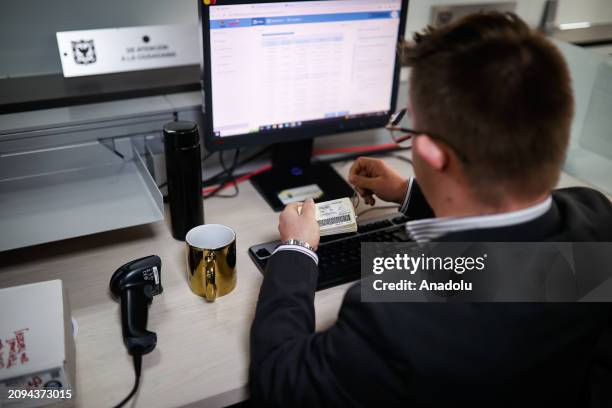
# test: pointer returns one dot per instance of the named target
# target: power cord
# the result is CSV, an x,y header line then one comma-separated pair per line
x,y
137,369
217,177
382,207
229,178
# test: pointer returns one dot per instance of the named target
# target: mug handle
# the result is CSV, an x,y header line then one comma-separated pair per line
x,y
210,285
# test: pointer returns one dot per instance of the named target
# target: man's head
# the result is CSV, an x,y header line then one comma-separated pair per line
x,y
494,100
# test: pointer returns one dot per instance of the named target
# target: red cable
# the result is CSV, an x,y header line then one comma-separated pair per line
x,y
354,149
316,152
238,180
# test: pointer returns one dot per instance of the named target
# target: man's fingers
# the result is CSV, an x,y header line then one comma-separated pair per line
x,y
363,165
291,208
354,167
308,209
363,182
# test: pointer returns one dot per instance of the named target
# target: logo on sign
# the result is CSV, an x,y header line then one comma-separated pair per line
x,y
84,52
209,2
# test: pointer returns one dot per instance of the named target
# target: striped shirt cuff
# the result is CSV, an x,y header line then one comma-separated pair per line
x,y
404,207
298,248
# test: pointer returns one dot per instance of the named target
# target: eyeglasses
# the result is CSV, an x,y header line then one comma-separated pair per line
x,y
400,135
394,129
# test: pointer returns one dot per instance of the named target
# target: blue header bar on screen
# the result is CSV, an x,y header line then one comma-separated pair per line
x,y
311,18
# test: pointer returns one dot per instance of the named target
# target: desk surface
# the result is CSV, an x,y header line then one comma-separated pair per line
x,y
201,358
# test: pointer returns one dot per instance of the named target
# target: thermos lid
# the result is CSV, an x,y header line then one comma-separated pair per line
x,y
182,133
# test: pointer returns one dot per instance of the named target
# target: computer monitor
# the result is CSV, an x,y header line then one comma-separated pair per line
x,y
284,72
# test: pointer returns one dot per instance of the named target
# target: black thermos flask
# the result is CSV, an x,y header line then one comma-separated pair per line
x,y
184,172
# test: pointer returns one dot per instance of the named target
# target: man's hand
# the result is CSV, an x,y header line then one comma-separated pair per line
x,y
303,227
374,177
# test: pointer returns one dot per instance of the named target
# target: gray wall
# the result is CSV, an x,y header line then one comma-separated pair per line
x,y
568,11
419,11
593,11
27,27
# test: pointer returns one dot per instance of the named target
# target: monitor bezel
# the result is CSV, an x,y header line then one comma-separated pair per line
x,y
308,131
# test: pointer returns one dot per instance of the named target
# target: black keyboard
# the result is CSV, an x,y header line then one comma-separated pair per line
x,y
340,255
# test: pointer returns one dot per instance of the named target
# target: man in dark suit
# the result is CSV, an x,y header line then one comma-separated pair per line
x,y
493,101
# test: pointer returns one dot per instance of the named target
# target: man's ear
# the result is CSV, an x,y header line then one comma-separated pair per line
x,y
430,152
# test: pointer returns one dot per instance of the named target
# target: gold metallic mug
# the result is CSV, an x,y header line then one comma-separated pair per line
x,y
211,260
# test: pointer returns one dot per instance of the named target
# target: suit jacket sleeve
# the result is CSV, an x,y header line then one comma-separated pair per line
x,y
291,365
415,205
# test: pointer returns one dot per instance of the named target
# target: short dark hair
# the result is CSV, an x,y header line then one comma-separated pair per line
x,y
499,94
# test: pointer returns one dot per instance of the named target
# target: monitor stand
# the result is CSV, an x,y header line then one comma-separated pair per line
x,y
294,177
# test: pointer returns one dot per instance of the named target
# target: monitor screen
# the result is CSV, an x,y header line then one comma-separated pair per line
x,y
278,66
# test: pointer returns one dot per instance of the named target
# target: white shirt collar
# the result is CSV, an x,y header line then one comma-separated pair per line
x,y
431,228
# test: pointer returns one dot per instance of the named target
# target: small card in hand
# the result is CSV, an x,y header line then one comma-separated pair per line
x,y
335,216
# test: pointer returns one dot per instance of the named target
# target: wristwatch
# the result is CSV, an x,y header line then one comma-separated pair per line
x,y
298,243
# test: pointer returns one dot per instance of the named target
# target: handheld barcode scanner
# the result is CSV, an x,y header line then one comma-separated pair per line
x,y
135,284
